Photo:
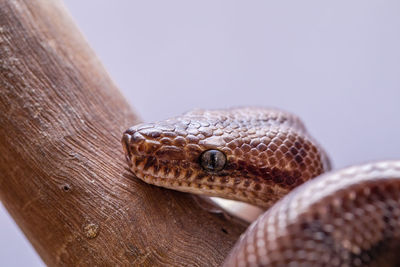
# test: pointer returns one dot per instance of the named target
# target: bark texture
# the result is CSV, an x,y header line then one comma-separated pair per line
x,y
63,175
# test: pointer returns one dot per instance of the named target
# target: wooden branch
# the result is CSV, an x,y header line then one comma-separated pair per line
x,y
63,176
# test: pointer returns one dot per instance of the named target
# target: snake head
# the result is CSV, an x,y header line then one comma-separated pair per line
x,y
254,155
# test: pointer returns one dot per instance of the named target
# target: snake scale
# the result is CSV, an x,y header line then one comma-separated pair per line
x,y
349,217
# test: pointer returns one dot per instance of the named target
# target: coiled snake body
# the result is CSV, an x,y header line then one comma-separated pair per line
x,y
350,217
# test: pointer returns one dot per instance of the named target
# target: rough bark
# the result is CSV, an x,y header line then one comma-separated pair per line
x,y
63,176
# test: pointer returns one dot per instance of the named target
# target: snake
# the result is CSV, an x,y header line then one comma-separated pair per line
x,y
315,216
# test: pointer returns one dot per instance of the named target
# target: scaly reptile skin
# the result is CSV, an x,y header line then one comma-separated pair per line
x,y
346,218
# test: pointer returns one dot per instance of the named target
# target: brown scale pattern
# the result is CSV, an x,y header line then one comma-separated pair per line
x,y
346,218
268,153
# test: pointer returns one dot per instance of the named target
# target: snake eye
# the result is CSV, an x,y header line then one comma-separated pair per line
x,y
213,160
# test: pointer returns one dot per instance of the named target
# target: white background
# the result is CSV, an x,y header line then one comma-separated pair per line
x,y
336,64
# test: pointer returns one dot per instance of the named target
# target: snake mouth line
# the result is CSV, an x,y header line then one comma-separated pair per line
x,y
219,190
264,197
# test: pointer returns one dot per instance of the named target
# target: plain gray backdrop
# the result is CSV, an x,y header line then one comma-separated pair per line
x,y
336,64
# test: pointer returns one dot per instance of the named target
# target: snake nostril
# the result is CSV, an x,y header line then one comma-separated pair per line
x,y
131,130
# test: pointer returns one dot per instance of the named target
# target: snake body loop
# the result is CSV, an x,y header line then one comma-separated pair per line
x,y
257,155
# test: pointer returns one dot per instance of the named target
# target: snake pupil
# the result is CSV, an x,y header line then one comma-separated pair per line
x,y
213,160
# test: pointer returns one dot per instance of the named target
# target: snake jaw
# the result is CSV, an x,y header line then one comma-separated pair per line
x,y
267,154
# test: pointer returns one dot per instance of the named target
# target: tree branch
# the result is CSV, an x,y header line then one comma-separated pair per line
x,y
63,176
